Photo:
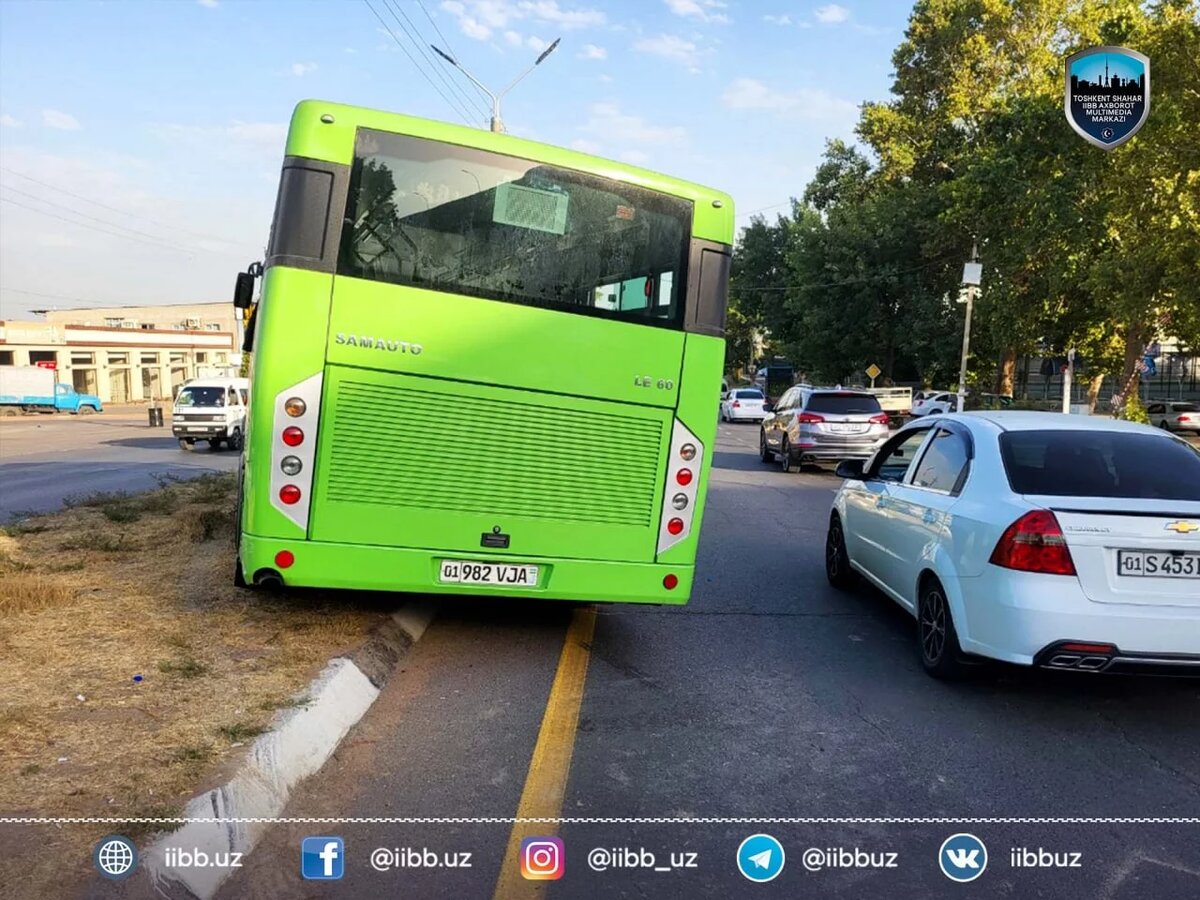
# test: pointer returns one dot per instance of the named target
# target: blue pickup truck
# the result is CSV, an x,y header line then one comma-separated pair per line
x,y
34,389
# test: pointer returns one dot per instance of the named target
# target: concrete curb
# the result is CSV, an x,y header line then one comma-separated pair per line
x,y
299,743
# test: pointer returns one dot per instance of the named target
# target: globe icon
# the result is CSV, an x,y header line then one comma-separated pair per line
x,y
115,857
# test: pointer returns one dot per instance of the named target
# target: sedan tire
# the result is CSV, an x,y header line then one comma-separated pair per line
x,y
837,560
937,640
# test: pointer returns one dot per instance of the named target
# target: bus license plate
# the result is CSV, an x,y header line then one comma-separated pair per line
x,y
497,574
1149,564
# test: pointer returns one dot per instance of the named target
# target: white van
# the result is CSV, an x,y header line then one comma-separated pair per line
x,y
213,410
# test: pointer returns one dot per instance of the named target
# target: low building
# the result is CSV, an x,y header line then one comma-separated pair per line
x,y
128,354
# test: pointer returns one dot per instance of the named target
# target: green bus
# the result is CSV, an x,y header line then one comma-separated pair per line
x,y
480,365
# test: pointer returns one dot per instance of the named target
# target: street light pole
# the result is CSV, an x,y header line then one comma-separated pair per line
x,y
972,277
497,124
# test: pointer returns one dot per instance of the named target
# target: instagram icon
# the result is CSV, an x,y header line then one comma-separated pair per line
x,y
542,858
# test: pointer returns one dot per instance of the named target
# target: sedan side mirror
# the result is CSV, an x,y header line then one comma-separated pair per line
x,y
850,468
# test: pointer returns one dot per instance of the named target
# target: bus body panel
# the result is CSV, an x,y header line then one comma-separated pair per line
x,y
291,324
441,335
370,568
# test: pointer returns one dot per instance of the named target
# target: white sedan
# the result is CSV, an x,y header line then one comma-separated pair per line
x,y
1064,542
743,405
932,403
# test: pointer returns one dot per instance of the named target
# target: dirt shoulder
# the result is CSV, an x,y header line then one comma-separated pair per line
x,y
132,672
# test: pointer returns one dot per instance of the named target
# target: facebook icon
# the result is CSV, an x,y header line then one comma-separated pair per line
x,y
963,857
322,858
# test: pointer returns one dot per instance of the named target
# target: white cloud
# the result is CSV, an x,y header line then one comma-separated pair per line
x,y
210,4
583,145
609,123
302,69
9,122
785,19
832,14
351,50
807,103
480,19
591,51
533,42
671,47
700,10
514,38
604,79
635,157
53,118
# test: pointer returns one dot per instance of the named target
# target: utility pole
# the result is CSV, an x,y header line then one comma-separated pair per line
x,y
1068,376
497,124
972,277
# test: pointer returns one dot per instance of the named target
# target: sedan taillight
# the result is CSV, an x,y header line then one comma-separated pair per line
x,y
880,419
809,419
1034,543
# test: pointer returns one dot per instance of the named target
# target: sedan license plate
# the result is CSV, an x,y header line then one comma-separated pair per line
x,y
456,571
1151,564
847,429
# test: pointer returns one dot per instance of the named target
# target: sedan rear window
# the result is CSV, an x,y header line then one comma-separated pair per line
x,y
843,403
748,395
1101,464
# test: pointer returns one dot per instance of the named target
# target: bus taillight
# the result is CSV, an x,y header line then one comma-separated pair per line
x,y
293,436
294,407
679,499
297,411
289,494
670,582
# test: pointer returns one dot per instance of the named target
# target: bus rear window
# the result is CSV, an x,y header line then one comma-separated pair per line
x,y
464,221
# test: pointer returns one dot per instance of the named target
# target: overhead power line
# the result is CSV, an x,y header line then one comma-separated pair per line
x,y
450,47
107,231
108,222
420,69
161,224
418,41
100,303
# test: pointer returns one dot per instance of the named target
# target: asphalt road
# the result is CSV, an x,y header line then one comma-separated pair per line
x,y
45,459
769,695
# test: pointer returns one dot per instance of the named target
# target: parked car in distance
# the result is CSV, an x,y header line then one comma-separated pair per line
x,y
932,403
1041,539
212,410
35,389
811,424
743,405
1175,415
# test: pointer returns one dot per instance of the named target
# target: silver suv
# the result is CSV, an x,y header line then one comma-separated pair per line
x,y
822,424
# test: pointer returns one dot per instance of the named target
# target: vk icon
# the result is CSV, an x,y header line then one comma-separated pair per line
x,y
322,858
963,857
760,857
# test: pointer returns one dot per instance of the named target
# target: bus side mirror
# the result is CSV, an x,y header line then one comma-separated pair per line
x,y
243,291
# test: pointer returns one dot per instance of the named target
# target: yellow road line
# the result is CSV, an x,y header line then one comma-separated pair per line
x,y
546,781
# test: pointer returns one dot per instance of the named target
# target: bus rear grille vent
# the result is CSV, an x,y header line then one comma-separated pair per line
x,y
430,449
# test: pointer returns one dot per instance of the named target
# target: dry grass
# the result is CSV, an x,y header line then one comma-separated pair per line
x,y
118,586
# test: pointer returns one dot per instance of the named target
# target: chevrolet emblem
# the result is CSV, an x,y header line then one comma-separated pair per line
x,y
1182,527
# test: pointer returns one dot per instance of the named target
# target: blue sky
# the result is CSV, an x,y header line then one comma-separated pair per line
x,y
153,129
